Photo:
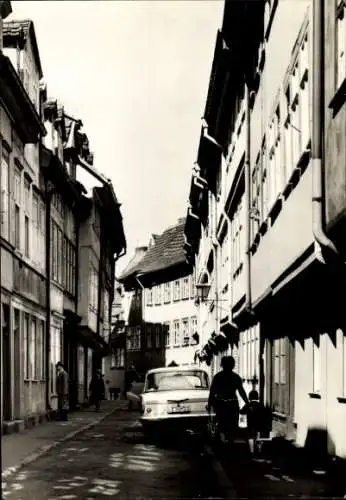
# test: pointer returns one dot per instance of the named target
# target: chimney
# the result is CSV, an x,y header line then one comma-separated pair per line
x,y
5,10
140,250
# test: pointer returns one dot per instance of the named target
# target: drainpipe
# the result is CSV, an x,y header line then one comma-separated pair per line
x,y
322,242
247,196
99,298
49,192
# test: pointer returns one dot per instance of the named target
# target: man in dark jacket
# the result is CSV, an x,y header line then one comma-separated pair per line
x,y
62,391
97,389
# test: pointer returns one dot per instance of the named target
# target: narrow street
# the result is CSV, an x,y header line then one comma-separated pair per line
x,y
114,459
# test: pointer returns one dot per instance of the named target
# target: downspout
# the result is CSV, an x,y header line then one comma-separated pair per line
x,y
99,298
247,196
322,242
49,193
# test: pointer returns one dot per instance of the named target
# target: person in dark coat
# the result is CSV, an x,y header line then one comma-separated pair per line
x,y
225,387
97,389
62,384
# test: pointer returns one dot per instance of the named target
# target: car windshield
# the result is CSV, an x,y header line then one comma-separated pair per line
x,y
176,381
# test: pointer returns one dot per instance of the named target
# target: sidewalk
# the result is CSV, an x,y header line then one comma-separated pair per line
x,y
281,472
28,445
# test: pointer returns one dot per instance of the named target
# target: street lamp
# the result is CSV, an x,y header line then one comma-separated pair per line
x,y
202,291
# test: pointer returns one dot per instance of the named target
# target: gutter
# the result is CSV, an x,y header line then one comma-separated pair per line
x,y
322,242
99,299
247,196
49,192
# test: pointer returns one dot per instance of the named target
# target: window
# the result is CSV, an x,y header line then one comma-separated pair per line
x,y
166,328
176,332
26,236
57,255
341,43
93,290
149,337
17,226
281,361
134,338
27,195
149,293
55,354
316,365
193,285
158,294
176,290
158,336
167,292
186,333
5,199
34,231
194,328
39,347
17,204
238,248
69,265
42,371
256,196
185,288
120,358
26,347
80,360
33,346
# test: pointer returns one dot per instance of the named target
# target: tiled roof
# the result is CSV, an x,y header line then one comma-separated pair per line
x,y
16,28
167,251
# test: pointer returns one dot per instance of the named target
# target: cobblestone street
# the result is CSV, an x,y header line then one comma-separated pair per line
x,y
114,459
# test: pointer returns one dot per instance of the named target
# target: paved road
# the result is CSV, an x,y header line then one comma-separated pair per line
x,y
115,460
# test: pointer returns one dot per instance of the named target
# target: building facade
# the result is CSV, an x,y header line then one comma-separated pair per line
x,y
59,244
23,266
162,315
265,223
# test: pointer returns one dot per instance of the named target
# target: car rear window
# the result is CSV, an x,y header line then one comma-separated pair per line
x,y
176,381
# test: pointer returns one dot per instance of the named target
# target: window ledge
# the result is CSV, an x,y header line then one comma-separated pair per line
x,y
314,395
341,400
339,98
275,210
263,227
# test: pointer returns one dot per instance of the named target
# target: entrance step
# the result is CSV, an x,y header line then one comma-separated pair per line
x,y
12,426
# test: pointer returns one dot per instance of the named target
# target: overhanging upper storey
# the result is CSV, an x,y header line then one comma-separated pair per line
x,y
15,100
209,158
112,217
243,32
217,83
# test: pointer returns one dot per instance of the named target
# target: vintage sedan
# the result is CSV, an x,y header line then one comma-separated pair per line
x,y
175,397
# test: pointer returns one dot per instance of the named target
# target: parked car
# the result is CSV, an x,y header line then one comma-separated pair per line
x,y
175,396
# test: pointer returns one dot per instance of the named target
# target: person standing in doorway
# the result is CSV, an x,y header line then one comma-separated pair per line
x,y
97,389
62,391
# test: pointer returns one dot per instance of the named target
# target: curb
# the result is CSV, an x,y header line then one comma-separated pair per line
x,y
223,481
48,447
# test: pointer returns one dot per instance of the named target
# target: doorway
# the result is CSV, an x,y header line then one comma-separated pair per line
x,y
6,363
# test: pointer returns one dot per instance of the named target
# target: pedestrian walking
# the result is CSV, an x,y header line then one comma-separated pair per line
x,y
223,398
97,390
131,377
62,386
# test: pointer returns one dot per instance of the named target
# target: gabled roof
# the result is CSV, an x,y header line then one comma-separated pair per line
x,y
168,251
14,30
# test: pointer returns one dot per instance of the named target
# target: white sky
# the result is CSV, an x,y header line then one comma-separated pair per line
x,y
136,73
